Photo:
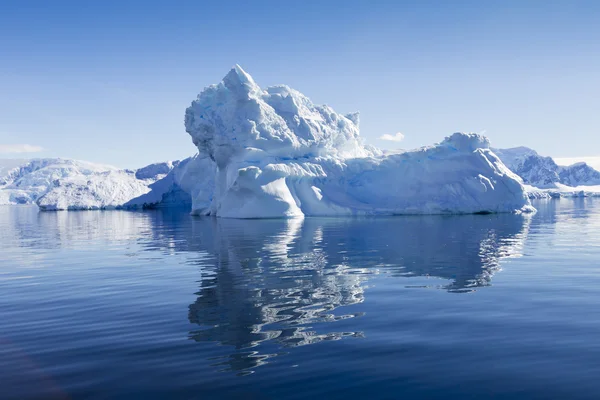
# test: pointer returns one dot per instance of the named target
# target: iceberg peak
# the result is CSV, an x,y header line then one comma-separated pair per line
x,y
467,141
238,80
228,118
354,117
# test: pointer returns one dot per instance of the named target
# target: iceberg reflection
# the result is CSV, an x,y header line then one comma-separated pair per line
x,y
268,285
281,281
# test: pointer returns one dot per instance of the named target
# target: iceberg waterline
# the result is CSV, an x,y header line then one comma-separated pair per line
x,y
271,152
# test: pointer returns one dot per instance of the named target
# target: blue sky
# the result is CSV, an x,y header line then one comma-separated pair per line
x,y
109,81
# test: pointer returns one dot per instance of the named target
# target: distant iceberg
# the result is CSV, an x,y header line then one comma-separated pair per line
x,y
269,153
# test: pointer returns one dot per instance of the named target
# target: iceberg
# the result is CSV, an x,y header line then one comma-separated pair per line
x,y
276,154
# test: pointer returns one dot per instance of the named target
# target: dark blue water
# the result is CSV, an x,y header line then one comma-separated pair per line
x,y
105,305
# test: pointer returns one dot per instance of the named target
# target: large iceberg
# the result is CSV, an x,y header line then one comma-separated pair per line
x,y
276,154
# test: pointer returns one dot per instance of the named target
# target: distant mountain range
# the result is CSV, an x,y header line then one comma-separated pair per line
x,y
544,172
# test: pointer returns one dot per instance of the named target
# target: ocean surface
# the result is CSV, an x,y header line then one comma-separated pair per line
x,y
159,304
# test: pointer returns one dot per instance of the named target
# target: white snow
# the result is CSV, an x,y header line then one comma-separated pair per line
x,y
104,189
544,177
7,164
276,154
29,179
55,183
514,156
559,190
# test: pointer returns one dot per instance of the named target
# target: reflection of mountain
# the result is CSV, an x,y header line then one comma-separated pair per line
x,y
27,227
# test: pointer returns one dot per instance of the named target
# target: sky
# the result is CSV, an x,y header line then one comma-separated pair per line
x,y
109,81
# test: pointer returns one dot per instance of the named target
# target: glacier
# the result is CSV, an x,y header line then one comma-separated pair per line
x,y
272,153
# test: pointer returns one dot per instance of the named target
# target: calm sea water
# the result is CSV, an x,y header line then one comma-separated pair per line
x,y
116,304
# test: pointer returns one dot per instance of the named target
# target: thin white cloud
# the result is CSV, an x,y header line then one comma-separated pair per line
x,y
19,148
397,137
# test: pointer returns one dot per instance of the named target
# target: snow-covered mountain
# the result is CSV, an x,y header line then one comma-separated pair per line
x,y
169,184
26,180
9,164
578,174
543,172
55,182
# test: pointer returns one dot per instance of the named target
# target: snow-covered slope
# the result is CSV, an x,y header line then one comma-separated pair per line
x,y
55,183
104,189
8,164
540,172
27,181
530,166
578,174
276,154
155,171
559,190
